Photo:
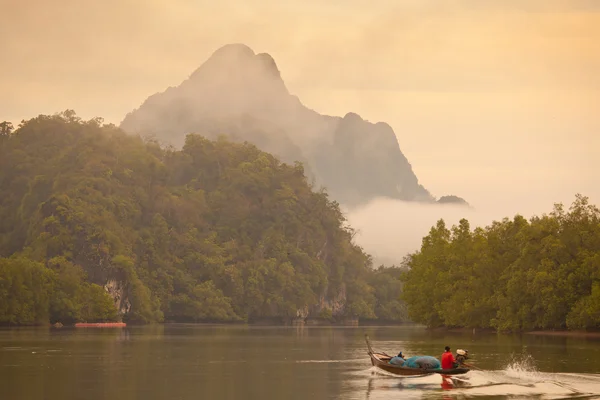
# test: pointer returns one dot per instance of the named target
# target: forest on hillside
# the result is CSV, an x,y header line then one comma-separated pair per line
x,y
513,275
98,225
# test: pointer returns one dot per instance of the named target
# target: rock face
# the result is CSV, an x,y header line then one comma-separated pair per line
x,y
336,304
241,94
115,288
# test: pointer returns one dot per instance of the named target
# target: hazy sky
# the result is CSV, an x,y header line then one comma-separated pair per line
x,y
495,101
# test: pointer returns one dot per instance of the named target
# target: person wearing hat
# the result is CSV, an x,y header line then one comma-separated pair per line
x,y
448,359
461,357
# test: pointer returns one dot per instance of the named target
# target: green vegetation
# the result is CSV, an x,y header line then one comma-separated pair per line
x,y
513,275
31,293
97,225
388,305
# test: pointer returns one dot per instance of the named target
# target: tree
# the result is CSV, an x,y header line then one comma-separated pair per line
x,y
513,275
6,129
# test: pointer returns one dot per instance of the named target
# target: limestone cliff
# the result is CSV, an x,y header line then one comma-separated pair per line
x,y
241,94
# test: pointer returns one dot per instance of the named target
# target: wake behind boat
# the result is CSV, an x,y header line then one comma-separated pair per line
x,y
382,360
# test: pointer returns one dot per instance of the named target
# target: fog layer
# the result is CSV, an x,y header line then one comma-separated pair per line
x,y
389,229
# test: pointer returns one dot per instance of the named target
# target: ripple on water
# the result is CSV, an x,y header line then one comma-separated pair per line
x,y
513,382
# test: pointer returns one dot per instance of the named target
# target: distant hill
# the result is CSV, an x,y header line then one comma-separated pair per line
x,y
97,225
452,200
241,94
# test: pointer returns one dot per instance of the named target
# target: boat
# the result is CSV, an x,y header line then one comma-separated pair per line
x,y
382,360
100,325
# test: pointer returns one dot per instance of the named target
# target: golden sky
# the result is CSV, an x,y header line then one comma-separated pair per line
x,y
495,101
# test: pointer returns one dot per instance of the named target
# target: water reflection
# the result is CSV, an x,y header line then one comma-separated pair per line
x,y
231,362
496,385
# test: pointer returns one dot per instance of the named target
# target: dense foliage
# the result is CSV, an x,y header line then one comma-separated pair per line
x,y
388,290
513,275
218,231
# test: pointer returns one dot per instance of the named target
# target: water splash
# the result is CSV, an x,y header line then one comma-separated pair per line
x,y
523,366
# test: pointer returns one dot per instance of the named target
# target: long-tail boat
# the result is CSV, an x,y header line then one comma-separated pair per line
x,y
382,360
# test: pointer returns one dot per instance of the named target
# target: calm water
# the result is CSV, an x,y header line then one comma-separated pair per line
x,y
240,362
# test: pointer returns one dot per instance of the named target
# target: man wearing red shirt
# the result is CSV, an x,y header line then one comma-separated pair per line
x,y
448,359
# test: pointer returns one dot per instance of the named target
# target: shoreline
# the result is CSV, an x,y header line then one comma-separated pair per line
x,y
534,332
565,333
463,330
323,323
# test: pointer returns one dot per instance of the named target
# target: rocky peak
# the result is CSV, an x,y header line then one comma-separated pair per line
x,y
234,68
356,160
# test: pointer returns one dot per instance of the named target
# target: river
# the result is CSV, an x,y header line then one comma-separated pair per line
x,y
254,362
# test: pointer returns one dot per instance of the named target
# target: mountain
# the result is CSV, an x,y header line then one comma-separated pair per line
x,y
242,95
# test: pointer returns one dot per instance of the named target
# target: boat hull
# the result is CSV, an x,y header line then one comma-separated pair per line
x,y
381,361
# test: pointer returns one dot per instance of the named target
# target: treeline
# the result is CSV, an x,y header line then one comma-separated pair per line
x,y
34,293
217,231
513,275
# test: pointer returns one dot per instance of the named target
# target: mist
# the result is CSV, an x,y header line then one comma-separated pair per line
x,y
389,229
495,102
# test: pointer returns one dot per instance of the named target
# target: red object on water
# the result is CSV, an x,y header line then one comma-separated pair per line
x,y
100,325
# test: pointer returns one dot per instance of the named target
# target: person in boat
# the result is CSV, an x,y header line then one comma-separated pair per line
x,y
398,360
461,357
448,360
